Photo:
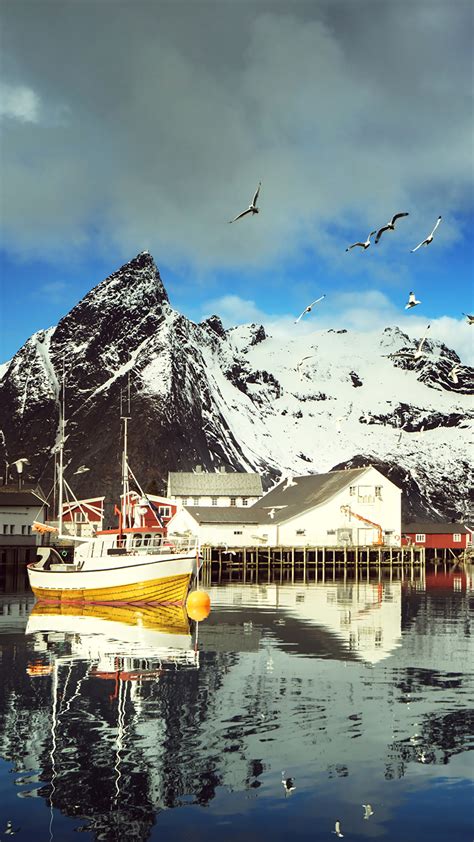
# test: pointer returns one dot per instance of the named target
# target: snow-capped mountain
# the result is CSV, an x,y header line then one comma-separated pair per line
x,y
237,398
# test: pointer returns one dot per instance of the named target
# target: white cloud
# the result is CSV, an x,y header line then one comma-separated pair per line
x,y
373,312
167,146
19,102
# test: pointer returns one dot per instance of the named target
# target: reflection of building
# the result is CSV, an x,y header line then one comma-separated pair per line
x,y
362,619
358,507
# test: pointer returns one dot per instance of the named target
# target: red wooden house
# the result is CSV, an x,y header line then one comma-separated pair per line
x,y
148,511
439,536
83,517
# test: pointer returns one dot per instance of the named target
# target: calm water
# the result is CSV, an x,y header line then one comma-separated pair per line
x,y
140,725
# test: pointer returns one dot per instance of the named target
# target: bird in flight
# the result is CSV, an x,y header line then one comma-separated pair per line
x,y
470,319
82,470
364,245
309,308
337,829
412,301
389,226
252,208
429,238
368,811
418,353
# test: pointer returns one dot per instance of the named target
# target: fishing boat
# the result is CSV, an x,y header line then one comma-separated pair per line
x,y
126,564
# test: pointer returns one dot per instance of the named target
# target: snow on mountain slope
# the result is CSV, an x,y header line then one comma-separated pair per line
x,y
238,397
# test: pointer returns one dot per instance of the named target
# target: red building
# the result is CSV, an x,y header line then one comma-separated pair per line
x,y
439,536
83,517
148,511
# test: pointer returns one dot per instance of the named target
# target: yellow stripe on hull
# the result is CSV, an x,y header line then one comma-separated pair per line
x,y
170,589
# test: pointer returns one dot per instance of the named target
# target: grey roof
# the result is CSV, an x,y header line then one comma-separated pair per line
x,y
426,527
306,493
21,498
226,514
195,484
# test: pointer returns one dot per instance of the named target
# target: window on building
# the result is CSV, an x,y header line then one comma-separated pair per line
x,y
237,532
457,536
233,501
29,530
164,511
80,517
195,501
12,529
420,537
245,501
214,501
378,492
185,501
5,529
301,531
352,490
331,532
23,530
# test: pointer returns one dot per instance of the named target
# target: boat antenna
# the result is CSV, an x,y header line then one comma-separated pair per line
x,y
62,422
125,470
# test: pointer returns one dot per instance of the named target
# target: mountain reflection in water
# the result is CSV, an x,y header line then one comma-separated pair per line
x,y
360,692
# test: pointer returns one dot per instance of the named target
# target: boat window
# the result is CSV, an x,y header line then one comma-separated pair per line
x,y
137,540
147,540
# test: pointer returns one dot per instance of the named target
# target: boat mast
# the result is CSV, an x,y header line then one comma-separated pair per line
x,y
62,412
125,482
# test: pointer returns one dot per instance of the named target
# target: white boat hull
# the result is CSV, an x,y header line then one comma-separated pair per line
x,y
131,579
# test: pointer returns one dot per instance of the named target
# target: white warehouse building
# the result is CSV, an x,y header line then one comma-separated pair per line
x,y
356,507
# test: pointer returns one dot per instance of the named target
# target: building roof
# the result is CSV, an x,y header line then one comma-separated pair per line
x,y
199,483
284,501
21,498
227,514
426,527
305,493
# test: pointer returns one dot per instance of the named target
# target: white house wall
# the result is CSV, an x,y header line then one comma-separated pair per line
x,y
319,526
328,517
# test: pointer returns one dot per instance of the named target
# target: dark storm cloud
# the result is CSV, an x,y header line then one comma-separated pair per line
x,y
150,123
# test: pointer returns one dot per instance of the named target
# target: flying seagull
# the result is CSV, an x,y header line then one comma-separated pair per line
x,y
389,226
364,245
418,353
288,783
470,319
82,470
412,301
252,208
309,308
429,238
453,374
368,811
337,829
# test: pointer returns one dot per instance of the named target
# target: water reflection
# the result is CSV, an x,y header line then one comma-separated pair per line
x,y
359,691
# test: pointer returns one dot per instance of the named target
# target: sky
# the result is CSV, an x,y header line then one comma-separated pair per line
x,y
131,125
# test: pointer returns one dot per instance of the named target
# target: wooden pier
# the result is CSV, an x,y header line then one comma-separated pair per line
x,y
310,564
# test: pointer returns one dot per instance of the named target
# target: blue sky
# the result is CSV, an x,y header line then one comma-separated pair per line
x,y
151,128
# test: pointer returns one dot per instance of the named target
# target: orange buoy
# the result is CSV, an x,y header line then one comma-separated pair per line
x,y
198,605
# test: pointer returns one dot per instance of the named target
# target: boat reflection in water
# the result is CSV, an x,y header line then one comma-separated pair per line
x,y
135,650
117,640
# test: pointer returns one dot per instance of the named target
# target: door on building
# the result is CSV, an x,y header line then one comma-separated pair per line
x,y
366,537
